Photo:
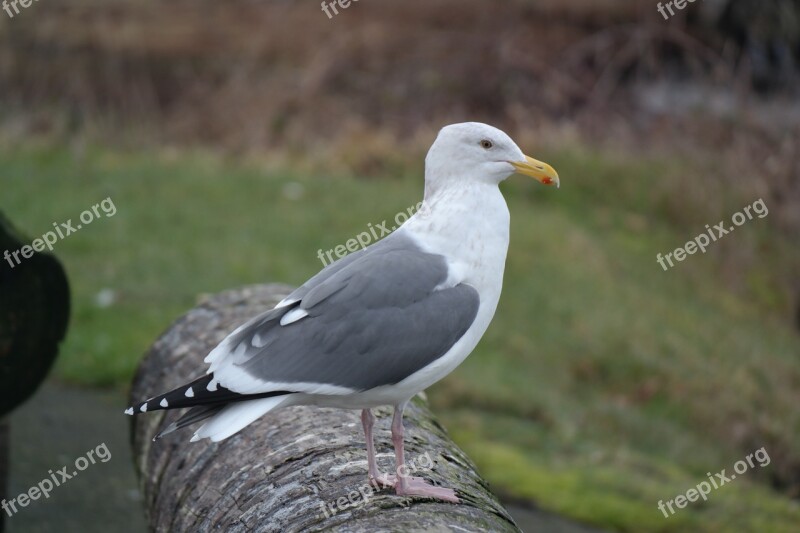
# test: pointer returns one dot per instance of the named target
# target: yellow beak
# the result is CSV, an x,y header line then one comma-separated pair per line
x,y
538,170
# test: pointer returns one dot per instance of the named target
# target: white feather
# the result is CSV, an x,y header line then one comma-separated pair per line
x,y
236,417
286,301
256,341
293,316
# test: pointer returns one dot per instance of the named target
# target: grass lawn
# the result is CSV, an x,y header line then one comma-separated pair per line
x,y
604,384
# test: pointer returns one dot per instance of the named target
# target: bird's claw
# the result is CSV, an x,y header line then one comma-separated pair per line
x,y
382,481
414,486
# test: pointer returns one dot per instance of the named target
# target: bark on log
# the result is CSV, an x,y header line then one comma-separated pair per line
x,y
296,469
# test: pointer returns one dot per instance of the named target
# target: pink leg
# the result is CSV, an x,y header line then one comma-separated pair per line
x,y
375,477
412,486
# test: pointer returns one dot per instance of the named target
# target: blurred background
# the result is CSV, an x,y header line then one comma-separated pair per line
x,y
238,138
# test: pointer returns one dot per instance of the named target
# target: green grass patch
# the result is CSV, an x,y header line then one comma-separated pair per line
x,y
604,384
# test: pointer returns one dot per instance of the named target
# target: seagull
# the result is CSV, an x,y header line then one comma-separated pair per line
x,y
382,324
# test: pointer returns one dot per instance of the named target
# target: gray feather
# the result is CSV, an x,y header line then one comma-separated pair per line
x,y
374,318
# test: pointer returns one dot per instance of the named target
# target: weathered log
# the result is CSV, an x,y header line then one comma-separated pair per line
x,y
295,469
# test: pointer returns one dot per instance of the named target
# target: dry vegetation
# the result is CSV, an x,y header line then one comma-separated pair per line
x,y
713,86
248,74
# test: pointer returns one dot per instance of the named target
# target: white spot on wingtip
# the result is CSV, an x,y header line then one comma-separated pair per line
x,y
239,351
189,393
164,403
129,411
286,301
212,385
293,316
143,408
256,341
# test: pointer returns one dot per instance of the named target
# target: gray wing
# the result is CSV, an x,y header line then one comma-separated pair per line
x,y
373,318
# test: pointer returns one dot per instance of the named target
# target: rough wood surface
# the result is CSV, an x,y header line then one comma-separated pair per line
x,y
296,469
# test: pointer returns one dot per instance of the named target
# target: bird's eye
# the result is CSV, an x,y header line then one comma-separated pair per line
x,y
486,144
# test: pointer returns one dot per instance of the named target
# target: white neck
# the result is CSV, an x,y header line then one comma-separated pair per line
x,y
468,224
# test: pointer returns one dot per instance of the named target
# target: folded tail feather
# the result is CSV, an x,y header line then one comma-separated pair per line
x,y
202,391
208,399
194,415
236,416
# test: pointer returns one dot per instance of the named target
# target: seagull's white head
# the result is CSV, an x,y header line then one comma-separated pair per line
x,y
475,151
